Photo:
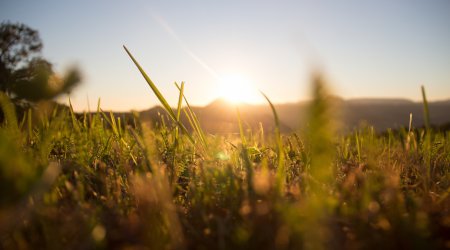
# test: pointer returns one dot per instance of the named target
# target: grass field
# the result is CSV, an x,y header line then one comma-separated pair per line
x,y
96,181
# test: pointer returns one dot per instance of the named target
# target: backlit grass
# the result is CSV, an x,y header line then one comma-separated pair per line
x,y
71,181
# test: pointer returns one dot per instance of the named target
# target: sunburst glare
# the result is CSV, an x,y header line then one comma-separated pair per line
x,y
237,88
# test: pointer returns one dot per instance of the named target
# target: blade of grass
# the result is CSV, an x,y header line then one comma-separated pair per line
x,y
22,123
160,97
30,123
176,143
152,85
426,112
244,154
194,120
180,102
358,146
241,129
113,124
320,134
280,170
427,142
75,122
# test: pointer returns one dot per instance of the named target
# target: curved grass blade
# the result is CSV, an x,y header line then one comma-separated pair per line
x,y
280,170
193,120
160,97
152,85
180,102
75,121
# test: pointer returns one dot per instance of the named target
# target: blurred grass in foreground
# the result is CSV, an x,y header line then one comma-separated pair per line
x,y
71,181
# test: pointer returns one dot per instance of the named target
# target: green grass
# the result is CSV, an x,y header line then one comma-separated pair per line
x,y
71,181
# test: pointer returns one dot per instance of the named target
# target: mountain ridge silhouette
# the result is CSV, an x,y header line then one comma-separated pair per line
x,y
219,116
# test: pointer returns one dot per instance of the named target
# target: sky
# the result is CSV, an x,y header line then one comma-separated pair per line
x,y
232,49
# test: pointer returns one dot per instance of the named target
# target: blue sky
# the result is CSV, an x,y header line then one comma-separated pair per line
x,y
365,48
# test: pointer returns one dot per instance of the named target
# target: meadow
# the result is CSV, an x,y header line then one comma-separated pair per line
x,y
96,181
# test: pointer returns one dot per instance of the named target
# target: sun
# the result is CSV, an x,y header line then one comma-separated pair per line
x,y
238,89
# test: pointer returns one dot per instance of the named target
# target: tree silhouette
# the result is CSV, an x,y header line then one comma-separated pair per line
x,y
24,74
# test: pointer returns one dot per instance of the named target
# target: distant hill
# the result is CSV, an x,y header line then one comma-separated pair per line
x,y
393,113
220,117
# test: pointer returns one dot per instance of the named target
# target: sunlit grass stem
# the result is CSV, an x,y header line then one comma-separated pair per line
x,y
160,97
281,171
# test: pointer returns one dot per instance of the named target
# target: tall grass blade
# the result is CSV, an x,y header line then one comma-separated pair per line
x,y
180,102
75,123
427,139
22,123
410,123
281,175
30,123
160,97
426,112
113,124
358,145
241,128
320,136
244,154
192,117
152,85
